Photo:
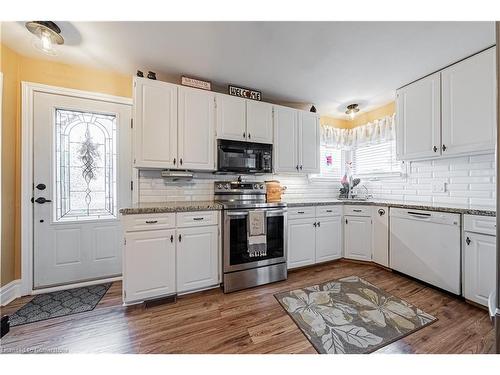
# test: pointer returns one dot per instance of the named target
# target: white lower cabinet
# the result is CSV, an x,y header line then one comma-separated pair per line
x,y
197,258
328,238
315,238
479,258
301,242
358,237
380,235
148,265
160,261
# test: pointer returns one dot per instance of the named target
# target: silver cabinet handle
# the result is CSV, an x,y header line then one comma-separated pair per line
x,y
151,221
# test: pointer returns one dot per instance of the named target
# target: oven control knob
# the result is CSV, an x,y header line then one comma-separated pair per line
x,y
261,186
226,186
219,186
256,186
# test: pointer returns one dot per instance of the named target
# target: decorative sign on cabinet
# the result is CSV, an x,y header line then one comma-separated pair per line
x,y
448,113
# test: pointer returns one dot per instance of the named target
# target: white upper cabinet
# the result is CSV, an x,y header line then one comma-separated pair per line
x,y
418,117
174,126
259,122
286,156
196,131
231,117
296,141
308,142
155,124
469,105
240,119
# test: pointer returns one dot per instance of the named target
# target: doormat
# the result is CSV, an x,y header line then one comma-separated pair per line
x,y
61,303
351,316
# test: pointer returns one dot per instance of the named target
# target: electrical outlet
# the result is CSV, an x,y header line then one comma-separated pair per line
x,y
439,187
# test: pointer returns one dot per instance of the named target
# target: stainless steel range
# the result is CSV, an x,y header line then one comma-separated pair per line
x,y
253,234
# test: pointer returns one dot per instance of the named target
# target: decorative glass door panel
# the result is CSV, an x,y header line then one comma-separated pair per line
x,y
85,156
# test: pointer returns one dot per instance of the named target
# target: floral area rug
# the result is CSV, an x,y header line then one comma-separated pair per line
x,y
351,316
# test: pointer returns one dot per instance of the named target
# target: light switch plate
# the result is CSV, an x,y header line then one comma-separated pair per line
x,y
439,187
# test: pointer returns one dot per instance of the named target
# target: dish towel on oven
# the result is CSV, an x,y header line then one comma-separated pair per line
x,y
257,242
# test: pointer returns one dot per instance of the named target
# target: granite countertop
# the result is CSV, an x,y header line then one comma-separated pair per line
x,y
183,206
452,208
162,207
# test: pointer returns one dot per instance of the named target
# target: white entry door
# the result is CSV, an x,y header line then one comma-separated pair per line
x,y
81,175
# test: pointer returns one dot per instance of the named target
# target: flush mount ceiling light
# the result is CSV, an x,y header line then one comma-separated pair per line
x,y
352,109
46,36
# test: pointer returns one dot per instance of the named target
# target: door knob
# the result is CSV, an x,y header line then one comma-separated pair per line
x,y
42,200
41,186
381,212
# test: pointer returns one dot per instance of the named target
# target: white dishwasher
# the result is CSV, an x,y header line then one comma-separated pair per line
x,y
426,245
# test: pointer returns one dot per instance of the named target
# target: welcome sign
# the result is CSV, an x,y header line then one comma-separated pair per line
x,y
244,93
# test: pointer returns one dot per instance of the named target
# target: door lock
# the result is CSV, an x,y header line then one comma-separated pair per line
x,y
42,200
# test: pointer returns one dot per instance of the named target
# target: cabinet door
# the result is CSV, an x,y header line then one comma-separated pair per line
x,y
469,105
301,242
380,235
308,142
328,238
358,238
196,129
418,116
149,265
480,270
231,117
259,122
155,124
285,146
197,258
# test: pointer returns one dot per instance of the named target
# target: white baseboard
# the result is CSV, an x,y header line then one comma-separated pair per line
x,y
10,292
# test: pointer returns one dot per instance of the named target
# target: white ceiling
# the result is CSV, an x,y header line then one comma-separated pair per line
x,y
329,64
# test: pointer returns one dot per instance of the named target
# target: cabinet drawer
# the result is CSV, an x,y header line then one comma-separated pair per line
x,y
301,212
196,218
358,210
324,211
134,223
480,224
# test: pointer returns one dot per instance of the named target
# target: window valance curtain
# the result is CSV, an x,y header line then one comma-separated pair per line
x,y
381,130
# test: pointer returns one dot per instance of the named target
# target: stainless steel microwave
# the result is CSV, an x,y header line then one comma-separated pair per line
x,y
244,157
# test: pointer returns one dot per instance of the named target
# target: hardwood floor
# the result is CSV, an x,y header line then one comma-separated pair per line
x,y
249,321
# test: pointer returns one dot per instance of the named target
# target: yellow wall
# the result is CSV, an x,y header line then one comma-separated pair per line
x,y
373,115
335,122
17,68
10,111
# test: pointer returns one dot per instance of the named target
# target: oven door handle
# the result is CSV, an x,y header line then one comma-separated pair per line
x,y
237,213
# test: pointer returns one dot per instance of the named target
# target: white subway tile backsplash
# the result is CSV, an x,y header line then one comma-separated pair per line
x,y
469,181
